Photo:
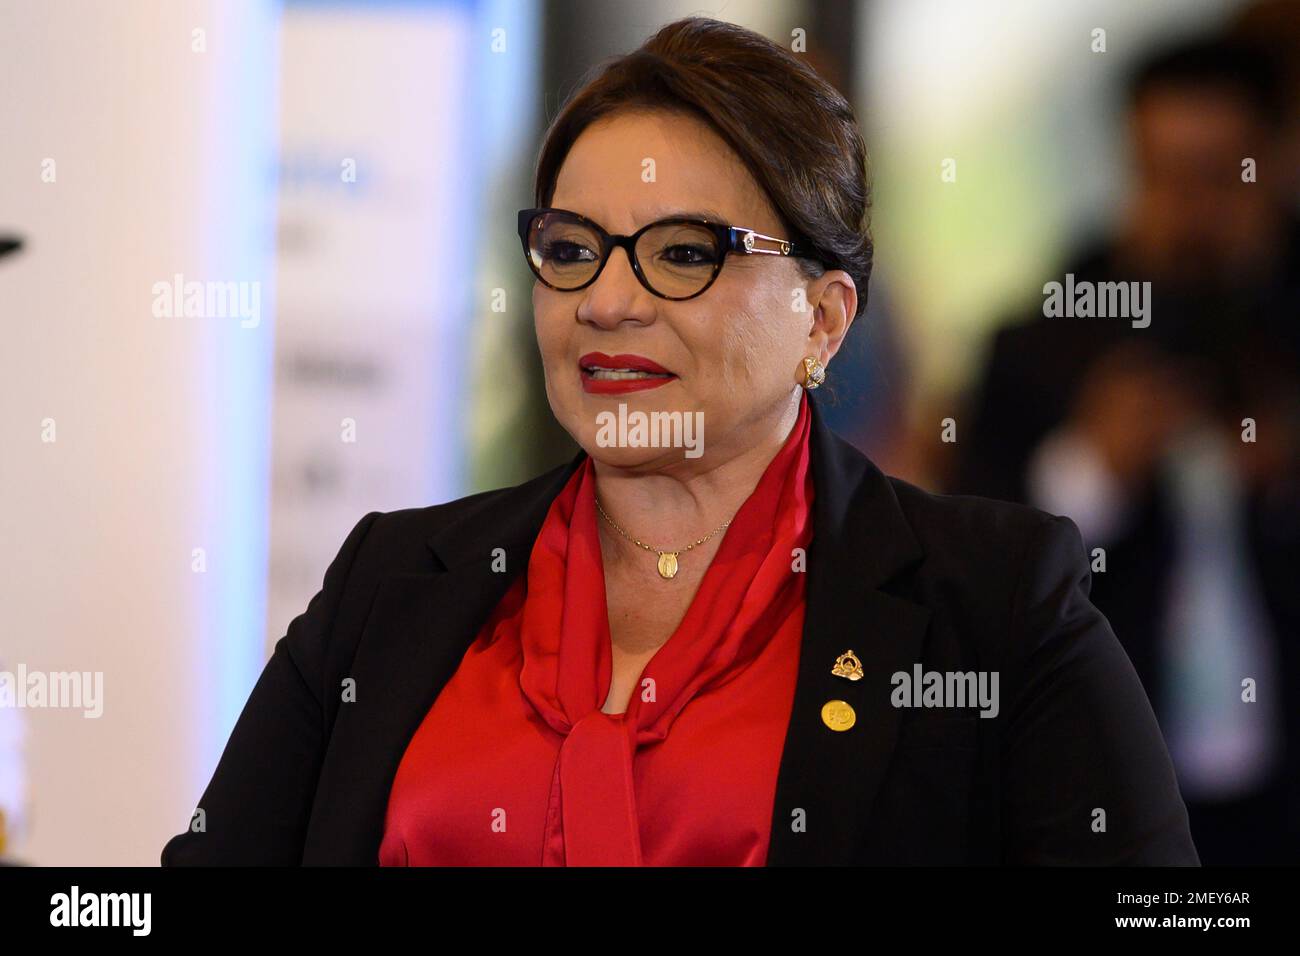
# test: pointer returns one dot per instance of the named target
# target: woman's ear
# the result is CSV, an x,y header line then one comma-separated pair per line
x,y
833,299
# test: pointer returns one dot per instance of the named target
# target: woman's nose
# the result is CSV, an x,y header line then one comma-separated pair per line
x,y
617,295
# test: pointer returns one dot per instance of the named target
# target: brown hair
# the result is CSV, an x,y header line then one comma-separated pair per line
x,y
795,132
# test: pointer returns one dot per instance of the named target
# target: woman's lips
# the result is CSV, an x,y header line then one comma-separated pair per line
x,y
597,386
618,374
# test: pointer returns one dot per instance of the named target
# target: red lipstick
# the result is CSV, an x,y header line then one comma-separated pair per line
x,y
596,368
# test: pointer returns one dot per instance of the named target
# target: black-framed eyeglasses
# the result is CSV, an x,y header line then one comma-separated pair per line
x,y
673,258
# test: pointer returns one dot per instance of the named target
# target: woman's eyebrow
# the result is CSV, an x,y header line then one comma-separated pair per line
x,y
711,214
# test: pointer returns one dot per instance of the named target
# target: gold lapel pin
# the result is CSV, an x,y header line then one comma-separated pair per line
x,y
838,715
848,665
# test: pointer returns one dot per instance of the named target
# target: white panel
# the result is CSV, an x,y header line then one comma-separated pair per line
x,y
161,152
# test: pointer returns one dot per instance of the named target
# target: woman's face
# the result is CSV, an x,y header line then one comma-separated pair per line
x,y
735,352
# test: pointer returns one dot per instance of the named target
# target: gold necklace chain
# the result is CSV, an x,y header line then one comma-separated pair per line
x,y
667,559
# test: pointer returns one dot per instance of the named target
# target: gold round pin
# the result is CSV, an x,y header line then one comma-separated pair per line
x,y
838,715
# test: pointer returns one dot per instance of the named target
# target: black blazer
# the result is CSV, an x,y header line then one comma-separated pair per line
x,y
898,575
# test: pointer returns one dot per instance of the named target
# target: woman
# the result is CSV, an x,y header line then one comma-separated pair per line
x,y
734,642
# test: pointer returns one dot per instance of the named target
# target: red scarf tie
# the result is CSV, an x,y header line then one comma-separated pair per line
x,y
746,594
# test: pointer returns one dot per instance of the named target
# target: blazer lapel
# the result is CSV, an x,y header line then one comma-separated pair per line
x,y
418,629
829,778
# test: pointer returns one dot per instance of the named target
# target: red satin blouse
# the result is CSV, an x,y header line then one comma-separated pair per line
x,y
515,764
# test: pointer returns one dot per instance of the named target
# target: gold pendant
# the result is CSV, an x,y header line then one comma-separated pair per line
x,y
667,564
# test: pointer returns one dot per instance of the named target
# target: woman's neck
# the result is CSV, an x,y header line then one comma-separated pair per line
x,y
673,507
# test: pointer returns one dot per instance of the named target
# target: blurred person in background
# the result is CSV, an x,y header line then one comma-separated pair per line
x,y
1173,445
1272,27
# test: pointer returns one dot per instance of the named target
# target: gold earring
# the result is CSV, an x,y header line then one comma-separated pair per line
x,y
814,373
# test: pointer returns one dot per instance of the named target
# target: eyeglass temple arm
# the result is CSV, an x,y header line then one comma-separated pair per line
x,y
755,243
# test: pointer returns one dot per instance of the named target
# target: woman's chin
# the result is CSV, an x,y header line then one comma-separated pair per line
x,y
632,458
634,431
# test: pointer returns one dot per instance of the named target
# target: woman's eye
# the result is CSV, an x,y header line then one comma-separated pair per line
x,y
687,255
564,251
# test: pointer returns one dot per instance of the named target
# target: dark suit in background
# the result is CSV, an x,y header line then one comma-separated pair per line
x,y
1202,540
1238,350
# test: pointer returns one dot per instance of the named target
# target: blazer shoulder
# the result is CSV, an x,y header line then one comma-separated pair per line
x,y
970,523
398,541
983,556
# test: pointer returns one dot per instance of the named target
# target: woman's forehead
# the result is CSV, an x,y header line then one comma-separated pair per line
x,y
633,168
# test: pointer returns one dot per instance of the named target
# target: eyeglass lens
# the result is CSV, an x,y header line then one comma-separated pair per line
x,y
676,259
